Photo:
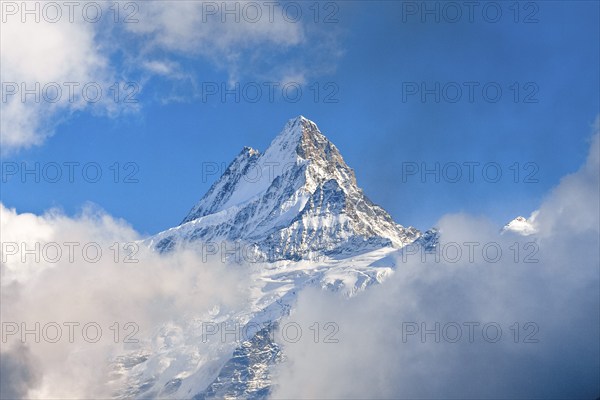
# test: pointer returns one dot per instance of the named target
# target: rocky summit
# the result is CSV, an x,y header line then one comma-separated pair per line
x,y
297,200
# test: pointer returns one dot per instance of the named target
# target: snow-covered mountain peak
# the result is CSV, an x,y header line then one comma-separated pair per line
x,y
296,199
299,124
302,142
295,130
299,152
300,217
295,141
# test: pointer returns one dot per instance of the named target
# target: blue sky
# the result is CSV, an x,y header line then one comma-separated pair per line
x,y
366,62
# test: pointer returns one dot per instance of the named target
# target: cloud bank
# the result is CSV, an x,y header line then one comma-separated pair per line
x,y
387,336
150,299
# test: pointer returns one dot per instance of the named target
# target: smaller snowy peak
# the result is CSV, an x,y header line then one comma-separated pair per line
x,y
221,191
521,225
249,152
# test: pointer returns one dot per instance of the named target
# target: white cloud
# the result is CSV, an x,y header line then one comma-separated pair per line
x,y
158,36
559,294
54,54
160,67
255,39
159,294
192,27
573,205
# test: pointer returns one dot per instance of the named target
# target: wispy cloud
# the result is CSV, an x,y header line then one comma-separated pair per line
x,y
137,43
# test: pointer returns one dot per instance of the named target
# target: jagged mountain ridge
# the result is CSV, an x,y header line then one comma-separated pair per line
x,y
299,205
297,200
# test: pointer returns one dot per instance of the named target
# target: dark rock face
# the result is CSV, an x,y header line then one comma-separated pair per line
x,y
246,374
